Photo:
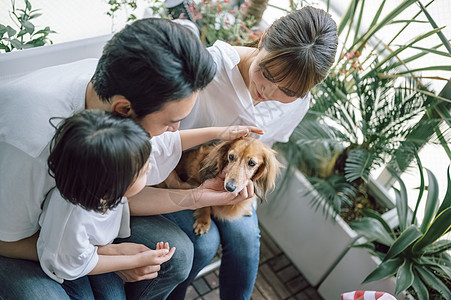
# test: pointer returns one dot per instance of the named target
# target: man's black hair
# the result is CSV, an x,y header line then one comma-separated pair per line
x,y
151,62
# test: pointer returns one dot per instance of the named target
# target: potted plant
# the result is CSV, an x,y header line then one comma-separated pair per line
x,y
359,119
26,35
412,252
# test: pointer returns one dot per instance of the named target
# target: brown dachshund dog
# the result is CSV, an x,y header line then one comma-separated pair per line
x,y
241,160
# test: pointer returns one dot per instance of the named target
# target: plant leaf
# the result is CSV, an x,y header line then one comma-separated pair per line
x,y
385,269
447,200
372,230
432,22
29,27
403,47
440,246
438,228
429,50
432,68
419,287
402,205
10,31
387,19
404,277
28,4
375,215
433,282
432,201
358,164
16,44
407,237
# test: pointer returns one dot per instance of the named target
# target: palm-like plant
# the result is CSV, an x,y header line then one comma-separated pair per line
x,y
372,109
414,253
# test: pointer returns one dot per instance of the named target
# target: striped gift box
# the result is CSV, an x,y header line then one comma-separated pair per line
x,y
366,295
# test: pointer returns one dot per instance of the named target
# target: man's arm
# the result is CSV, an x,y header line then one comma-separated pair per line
x,y
24,249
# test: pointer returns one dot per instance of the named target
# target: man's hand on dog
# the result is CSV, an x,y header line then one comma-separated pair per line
x,y
234,132
212,193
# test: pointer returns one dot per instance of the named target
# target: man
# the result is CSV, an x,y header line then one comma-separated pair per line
x,y
151,72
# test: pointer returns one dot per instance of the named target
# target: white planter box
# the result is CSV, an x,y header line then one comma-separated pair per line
x,y
350,272
318,247
311,242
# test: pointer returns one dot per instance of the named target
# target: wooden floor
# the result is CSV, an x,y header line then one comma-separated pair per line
x,y
277,278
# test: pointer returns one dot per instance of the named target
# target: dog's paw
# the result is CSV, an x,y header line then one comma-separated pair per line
x,y
248,212
201,227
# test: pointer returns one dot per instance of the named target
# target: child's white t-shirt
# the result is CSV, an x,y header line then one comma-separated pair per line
x,y
69,234
226,101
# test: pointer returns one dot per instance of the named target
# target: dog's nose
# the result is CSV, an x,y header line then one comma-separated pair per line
x,y
231,186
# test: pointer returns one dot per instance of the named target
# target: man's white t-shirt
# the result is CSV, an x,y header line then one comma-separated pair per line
x,y
226,101
28,104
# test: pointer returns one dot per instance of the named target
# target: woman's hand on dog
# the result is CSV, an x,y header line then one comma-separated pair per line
x,y
234,132
212,193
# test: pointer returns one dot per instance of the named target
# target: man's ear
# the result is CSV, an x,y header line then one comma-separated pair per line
x,y
122,106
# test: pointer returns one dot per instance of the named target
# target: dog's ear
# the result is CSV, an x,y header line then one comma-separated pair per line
x,y
215,161
265,177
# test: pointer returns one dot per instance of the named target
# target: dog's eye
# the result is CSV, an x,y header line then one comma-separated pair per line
x,y
231,157
251,163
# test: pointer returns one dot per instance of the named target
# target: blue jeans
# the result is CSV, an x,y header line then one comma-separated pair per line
x,y
24,279
240,241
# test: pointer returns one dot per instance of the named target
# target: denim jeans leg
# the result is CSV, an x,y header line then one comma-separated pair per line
x,y
107,286
24,279
240,240
78,289
149,231
205,247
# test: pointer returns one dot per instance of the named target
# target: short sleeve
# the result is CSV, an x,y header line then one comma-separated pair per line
x,y
278,120
64,245
165,155
24,181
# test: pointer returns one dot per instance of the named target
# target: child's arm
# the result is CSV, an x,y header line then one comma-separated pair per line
x,y
150,259
194,137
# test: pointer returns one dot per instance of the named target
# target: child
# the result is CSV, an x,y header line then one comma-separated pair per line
x,y
98,161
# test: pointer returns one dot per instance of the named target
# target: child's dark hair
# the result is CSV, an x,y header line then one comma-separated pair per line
x,y
95,157
151,62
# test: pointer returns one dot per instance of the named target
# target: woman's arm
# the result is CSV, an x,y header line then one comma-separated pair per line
x,y
193,137
154,201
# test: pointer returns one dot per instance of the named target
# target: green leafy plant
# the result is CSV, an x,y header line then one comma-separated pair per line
x,y
128,7
413,253
116,5
220,21
216,20
25,35
372,110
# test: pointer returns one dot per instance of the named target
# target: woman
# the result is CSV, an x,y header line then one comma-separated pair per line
x,y
265,85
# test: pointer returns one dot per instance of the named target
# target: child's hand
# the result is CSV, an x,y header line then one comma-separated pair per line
x,y
233,132
149,262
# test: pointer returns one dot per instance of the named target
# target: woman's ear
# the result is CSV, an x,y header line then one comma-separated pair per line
x,y
122,106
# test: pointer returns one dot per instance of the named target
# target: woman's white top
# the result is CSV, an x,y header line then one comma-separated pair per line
x,y
67,244
227,101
